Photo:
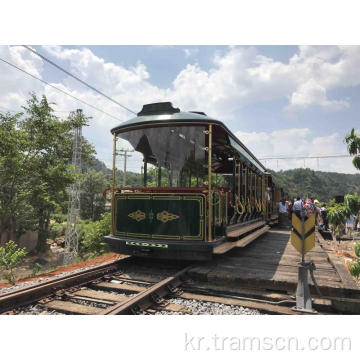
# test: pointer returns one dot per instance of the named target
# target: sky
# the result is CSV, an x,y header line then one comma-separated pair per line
x,y
278,100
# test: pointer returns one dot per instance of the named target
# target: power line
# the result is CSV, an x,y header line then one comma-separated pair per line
x,y
76,78
307,157
64,92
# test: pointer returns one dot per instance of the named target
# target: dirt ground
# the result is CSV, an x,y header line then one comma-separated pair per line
x,y
50,267
344,249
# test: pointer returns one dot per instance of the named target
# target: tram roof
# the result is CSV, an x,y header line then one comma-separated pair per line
x,y
164,113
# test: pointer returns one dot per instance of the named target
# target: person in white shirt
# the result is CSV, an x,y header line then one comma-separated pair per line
x,y
298,205
349,224
282,207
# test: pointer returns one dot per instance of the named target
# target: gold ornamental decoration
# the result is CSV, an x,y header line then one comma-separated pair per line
x,y
165,216
138,215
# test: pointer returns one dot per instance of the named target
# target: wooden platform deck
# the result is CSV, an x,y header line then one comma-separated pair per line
x,y
271,262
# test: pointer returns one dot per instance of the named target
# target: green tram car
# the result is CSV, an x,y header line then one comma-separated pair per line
x,y
208,192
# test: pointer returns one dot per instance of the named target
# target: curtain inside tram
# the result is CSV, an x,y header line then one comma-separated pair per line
x,y
176,148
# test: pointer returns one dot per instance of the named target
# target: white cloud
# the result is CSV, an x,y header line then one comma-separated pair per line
x,y
298,142
242,76
238,77
15,85
189,52
312,92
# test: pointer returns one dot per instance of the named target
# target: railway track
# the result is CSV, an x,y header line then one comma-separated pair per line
x,y
106,289
126,287
138,286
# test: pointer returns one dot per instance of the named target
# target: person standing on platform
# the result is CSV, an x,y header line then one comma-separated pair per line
x,y
282,213
290,209
309,207
317,212
323,213
349,224
356,222
298,205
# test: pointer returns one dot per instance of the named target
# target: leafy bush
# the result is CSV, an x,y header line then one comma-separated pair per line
x,y
352,202
336,216
59,217
355,266
37,267
355,269
332,203
56,230
357,249
10,257
92,234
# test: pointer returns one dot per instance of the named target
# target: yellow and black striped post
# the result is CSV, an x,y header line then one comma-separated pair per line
x,y
303,233
303,240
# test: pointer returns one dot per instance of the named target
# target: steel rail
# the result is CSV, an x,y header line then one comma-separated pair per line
x,y
148,297
35,292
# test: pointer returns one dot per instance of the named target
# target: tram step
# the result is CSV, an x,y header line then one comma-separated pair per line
x,y
240,230
225,247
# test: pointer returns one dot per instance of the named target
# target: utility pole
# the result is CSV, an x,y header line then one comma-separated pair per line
x,y
124,152
71,233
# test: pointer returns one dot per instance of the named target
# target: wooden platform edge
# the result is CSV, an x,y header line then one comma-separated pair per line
x,y
346,279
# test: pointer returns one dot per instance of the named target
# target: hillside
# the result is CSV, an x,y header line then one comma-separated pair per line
x,y
318,184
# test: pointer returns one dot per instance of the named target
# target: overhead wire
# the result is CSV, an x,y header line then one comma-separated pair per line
x,y
323,156
76,78
64,92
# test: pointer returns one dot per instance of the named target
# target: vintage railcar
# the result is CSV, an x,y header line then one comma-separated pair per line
x,y
209,190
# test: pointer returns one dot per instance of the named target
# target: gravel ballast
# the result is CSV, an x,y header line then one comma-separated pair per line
x,y
10,289
196,307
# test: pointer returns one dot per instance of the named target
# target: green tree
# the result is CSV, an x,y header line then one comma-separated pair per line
x,y
337,214
35,166
355,266
353,145
92,201
10,257
15,212
352,202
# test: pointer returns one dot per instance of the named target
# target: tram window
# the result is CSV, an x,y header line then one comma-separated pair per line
x,y
177,150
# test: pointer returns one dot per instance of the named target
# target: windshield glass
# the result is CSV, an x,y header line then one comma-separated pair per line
x,y
169,155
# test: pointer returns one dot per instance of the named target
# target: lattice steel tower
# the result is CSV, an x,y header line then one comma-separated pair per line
x,y
71,234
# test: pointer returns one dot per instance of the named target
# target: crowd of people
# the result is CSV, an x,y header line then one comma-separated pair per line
x,y
311,206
